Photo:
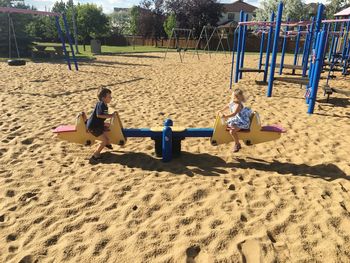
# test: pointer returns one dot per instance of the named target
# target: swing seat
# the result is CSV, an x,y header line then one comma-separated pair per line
x,y
301,81
16,62
290,66
251,70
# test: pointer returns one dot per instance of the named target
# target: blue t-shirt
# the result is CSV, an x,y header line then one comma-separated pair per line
x,y
94,122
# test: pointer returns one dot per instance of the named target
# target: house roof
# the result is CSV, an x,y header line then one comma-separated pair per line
x,y
237,6
119,9
345,12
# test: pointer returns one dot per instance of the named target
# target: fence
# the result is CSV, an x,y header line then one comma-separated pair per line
x,y
252,44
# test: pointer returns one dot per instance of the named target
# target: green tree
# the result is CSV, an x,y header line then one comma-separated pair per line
x,y
134,12
134,21
169,24
152,18
44,28
120,22
92,22
292,9
334,6
195,13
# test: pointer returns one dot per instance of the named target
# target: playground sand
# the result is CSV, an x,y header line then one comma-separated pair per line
x,y
285,201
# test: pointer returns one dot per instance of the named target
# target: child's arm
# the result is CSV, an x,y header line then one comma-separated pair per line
x,y
234,113
105,116
223,109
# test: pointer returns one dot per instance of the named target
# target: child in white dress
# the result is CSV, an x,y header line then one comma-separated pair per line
x,y
238,118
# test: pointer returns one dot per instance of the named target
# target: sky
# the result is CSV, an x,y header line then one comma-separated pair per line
x,y
108,5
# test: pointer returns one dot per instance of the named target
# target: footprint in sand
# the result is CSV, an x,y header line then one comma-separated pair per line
x,y
13,249
2,151
11,237
250,250
191,253
15,128
26,259
232,187
27,141
28,196
243,218
10,193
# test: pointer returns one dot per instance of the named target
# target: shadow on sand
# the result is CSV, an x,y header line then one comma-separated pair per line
x,y
208,165
67,93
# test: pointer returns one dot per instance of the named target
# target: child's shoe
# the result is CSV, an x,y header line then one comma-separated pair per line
x,y
236,148
109,146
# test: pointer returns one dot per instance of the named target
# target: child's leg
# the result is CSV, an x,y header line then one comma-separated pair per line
x,y
83,115
104,142
233,132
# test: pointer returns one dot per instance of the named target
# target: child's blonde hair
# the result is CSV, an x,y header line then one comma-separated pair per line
x,y
236,93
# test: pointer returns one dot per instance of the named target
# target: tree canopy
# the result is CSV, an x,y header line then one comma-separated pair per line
x,y
334,6
194,14
293,10
169,24
120,22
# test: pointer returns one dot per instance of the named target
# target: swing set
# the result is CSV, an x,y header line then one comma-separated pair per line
x,y
19,62
175,35
210,32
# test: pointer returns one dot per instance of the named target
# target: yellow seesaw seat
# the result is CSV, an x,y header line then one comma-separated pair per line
x,y
256,133
79,134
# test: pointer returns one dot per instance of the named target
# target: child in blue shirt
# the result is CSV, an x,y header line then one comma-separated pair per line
x,y
238,118
95,124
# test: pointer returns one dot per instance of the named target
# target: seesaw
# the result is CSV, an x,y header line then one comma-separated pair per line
x,y
168,138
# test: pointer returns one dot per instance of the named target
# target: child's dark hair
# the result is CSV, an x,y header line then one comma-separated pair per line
x,y
103,92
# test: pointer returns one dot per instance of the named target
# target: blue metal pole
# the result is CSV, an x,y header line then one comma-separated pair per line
x,y
307,48
261,49
283,50
167,144
347,57
327,28
268,47
318,22
332,44
296,51
317,72
63,42
334,52
312,68
239,47
243,45
317,30
70,41
275,49
345,44
233,56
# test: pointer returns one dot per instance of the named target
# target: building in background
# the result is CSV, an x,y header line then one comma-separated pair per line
x,y
230,14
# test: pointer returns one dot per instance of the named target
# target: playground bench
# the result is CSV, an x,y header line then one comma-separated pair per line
x,y
41,51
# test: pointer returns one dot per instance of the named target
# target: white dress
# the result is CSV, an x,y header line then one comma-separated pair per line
x,y
242,119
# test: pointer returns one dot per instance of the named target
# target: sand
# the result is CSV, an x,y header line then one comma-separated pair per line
x,y
282,201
